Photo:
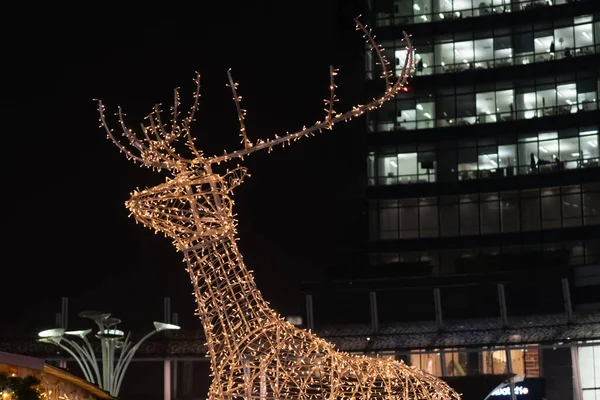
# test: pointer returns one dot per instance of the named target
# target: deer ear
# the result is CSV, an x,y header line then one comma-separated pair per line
x,y
235,177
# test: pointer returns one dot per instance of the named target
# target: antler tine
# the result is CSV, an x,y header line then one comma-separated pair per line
x,y
241,113
190,118
163,139
151,151
331,119
155,146
408,63
159,127
175,112
370,39
151,155
332,100
111,136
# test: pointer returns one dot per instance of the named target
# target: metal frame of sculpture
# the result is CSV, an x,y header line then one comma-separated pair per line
x,y
254,352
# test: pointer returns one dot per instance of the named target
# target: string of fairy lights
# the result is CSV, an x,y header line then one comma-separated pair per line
x,y
254,352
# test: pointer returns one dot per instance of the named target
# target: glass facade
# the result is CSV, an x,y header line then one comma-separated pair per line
x,y
402,12
493,258
538,97
504,47
499,155
462,362
485,103
589,365
485,213
489,157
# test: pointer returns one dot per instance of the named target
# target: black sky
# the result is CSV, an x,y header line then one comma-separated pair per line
x,y
67,232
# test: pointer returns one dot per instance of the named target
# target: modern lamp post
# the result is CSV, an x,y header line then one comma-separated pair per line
x,y
113,370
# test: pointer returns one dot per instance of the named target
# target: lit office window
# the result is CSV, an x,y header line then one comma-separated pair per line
x,y
589,370
428,362
453,53
399,12
456,362
495,362
486,158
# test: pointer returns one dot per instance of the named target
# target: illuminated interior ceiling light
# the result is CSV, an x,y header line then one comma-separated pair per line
x,y
110,334
79,333
96,316
254,352
52,333
163,326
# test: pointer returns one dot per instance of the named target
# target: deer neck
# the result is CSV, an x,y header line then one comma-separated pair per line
x,y
230,306
196,211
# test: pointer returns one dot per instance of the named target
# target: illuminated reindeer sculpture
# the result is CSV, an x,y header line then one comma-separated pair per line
x,y
254,352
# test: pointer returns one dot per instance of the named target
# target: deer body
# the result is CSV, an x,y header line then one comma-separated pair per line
x,y
255,354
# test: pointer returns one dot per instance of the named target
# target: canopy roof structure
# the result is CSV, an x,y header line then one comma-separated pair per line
x,y
548,329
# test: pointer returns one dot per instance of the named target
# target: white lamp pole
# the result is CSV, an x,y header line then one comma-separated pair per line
x,y
111,339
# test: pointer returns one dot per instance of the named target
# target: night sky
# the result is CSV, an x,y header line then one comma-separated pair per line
x,y
66,229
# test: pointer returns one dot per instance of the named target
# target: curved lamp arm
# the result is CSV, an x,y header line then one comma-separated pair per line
x,y
85,358
94,361
120,370
82,365
122,357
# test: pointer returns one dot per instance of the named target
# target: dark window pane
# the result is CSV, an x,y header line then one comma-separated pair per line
x,y
530,210
509,211
469,215
449,216
490,213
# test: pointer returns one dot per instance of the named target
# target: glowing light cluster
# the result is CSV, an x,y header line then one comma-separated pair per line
x,y
254,352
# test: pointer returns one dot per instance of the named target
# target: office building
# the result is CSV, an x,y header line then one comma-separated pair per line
x,y
483,198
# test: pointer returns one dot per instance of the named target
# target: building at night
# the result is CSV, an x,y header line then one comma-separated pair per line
x,y
482,247
54,383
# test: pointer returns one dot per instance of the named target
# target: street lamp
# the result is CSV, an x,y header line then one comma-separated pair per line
x,y
111,339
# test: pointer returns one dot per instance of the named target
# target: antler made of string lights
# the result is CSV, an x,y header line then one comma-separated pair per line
x,y
254,352
156,146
